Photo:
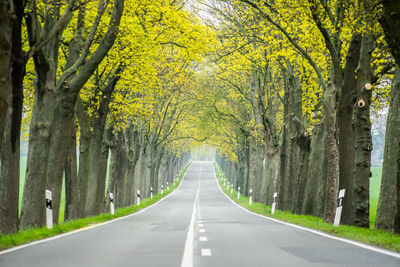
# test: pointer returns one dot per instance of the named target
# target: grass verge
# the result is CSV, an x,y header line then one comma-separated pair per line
x,y
33,234
378,238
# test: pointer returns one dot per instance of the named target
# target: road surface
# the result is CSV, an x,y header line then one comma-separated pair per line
x,y
196,226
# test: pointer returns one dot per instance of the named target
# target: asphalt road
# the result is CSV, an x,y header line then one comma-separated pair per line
x,y
196,226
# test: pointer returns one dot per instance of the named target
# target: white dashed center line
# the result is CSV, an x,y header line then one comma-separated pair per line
x,y
203,238
205,252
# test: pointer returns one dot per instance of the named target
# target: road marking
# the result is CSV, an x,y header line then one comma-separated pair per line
x,y
187,258
205,252
200,221
201,225
355,243
203,238
202,230
92,226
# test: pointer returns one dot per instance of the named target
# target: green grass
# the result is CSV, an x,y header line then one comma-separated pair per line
x,y
29,235
369,236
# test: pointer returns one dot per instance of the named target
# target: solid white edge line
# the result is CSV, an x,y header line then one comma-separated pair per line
x,y
352,242
187,257
9,250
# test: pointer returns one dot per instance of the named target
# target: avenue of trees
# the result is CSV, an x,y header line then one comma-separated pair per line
x,y
284,89
291,92
109,80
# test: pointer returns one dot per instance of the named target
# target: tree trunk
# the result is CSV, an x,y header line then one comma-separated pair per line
x,y
71,177
120,179
303,142
362,136
103,166
9,146
291,171
33,202
314,198
6,27
133,151
84,148
272,172
58,149
332,153
346,136
92,205
112,171
387,217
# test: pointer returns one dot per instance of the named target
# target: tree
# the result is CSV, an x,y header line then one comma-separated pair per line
x,y
55,99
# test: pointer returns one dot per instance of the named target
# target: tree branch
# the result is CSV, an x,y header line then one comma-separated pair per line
x,y
65,18
290,39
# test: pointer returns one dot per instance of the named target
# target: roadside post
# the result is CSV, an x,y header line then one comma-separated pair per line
x,y
250,197
274,203
112,203
167,186
339,207
224,181
49,210
238,193
151,192
227,186
138,197
231,188
162,189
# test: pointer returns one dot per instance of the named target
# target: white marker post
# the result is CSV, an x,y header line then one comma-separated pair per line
x,y
49,210
339,208
167,186
231,188
112,203
227,186
138,197
224,181
151,192
238,192
162,189
274,203
250,197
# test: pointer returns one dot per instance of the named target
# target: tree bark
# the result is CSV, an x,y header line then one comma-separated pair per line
x,y
71,177
132,155
387,217
92,205
390,21
362,136
314,198
332,153
346,136
103,166
84,148
6,24
120,179
112,170
9,146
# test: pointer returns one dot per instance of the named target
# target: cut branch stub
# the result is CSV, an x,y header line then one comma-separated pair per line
x,y
368,86
361,103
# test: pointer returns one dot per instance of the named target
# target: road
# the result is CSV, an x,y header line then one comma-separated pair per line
x,y
196,226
